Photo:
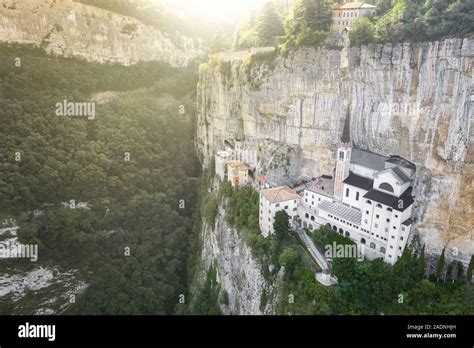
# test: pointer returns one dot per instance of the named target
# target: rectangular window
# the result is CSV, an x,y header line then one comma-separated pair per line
x,y
388,220
278,204
367,212
286,207
347,192
357,196
376,226
377,216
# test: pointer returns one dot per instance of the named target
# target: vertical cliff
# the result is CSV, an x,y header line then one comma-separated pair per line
x,y
412,100
239,273
72,29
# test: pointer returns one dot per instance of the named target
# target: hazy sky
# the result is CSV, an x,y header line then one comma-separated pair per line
x,y
216,11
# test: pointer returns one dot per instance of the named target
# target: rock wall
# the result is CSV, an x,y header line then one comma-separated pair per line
x,y
238,272
75,30
412,100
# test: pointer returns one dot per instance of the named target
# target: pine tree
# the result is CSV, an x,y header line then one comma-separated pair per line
x,y
469,269
269,25
440,266
313,14
219,43
420,263
281,224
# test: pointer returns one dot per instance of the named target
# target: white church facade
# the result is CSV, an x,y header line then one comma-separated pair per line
x,y
372,202
369,201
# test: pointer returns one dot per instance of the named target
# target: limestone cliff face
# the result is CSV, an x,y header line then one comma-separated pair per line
x,y
238,272
412,100
75,30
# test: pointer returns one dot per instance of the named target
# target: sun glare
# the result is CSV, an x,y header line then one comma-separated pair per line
x,y
215,8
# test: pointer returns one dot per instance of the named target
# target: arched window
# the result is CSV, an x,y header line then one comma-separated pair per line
x,y
372,245
341,231
379,205
305,224
386,186
348,234
310,227
383,250
389,209
368,202
334,228
362,241
306,215
312,218
328,225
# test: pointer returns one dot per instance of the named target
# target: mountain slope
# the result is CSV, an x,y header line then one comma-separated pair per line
x,y
72,29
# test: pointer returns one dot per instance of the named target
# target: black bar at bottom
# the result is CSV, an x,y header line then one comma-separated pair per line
x,y
291,330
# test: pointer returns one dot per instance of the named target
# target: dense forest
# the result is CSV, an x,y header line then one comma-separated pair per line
x,y
133,166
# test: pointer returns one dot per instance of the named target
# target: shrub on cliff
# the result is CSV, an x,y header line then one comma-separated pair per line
x,y
269,25
362,33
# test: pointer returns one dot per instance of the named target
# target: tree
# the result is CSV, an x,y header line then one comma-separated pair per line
x,y
219,43
269,25
469,269
362,32
314,14
281,226
440,266
289,259
420,263
383,6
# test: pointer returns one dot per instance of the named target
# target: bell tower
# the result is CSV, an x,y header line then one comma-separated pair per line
x,y
343,159
343,164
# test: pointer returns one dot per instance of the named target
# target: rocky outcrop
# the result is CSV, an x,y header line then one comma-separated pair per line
x,y
72,29
412,100
238,271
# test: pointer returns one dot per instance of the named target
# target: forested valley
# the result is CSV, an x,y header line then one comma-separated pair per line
x,y
113,196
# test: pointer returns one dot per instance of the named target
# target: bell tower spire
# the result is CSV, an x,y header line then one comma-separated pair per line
x,y
343,159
